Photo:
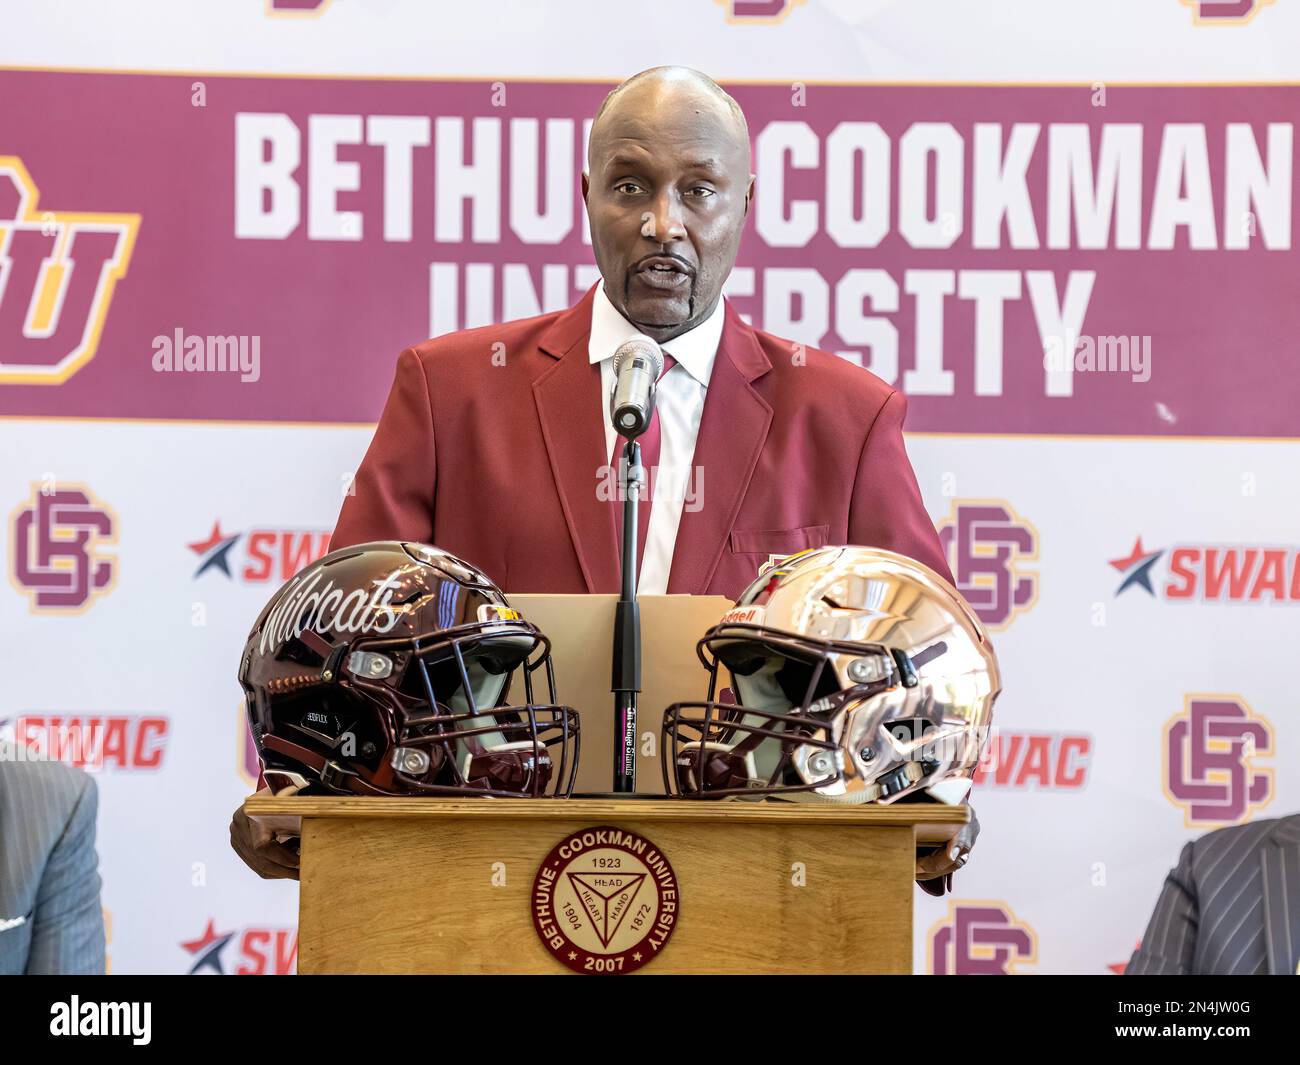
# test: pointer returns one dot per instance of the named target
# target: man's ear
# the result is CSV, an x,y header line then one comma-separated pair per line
x,y
749,193
586,184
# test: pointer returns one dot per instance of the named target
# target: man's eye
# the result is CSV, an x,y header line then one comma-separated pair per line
x,y
630,187
701,192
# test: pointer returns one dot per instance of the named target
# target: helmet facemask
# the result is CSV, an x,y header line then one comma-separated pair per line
x,y
454,731
814,720
779,733
431,717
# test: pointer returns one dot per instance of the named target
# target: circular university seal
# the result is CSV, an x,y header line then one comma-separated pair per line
x,y
605,901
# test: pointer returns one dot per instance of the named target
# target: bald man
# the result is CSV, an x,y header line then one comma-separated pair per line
x,y
761,447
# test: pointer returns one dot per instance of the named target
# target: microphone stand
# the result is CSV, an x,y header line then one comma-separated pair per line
x,y
626,681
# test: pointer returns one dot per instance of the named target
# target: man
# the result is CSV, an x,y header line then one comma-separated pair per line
x,y
1230,907
496,443
51,921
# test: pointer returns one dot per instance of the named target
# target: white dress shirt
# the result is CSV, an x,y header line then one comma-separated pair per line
x,y
679,401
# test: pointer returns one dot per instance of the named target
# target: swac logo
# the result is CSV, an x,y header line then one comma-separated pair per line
x,y
980,937
1225,12
258,951
1209,753
985,541
270,555
1234,573
95,741
58,270
758,12
56,538
1037,760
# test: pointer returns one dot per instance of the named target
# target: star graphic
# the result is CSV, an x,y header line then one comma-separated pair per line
x,y
572,956
636,956
1119,967
215,550
208,949
1137,567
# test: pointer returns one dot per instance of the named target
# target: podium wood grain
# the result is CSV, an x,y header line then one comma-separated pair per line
x,y
413,885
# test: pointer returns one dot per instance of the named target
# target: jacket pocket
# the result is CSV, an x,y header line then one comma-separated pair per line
x,y
778,541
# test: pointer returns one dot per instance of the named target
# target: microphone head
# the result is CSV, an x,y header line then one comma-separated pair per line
x,y
637,365
640,347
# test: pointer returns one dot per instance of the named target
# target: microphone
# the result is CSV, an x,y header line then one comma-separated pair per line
x,y
637,365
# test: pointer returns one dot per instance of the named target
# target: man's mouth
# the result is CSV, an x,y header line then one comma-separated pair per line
x,y
663,272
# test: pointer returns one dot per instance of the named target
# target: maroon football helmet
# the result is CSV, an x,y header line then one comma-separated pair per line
x,y
384,669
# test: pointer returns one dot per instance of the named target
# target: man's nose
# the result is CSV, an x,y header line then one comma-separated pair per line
x,y
663,224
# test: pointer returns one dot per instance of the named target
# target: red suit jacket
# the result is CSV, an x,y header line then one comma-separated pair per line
x,y
499,463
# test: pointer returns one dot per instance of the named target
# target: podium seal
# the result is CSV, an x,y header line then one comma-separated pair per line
x,y
605,900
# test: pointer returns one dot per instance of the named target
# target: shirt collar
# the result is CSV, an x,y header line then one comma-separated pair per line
x,y
694,350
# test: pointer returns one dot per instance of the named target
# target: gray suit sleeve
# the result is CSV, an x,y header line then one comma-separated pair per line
x,y
68,921
1169,945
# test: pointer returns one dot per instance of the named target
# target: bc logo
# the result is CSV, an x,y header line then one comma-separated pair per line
x,y
984,541
758,12
56,539
301,8
1208,752
1225,12
58,270
980,937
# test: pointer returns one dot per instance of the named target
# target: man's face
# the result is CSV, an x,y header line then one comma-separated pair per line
x,y
667,194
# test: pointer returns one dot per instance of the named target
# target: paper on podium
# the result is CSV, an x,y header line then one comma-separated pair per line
x,y
581,631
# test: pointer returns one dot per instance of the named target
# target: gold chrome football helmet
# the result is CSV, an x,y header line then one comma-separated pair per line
x,y
857,675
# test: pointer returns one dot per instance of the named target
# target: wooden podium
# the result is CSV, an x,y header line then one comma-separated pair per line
x,y
448,885
432,885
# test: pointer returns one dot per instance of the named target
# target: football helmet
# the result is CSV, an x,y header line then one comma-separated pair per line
x,y
856,675
385,668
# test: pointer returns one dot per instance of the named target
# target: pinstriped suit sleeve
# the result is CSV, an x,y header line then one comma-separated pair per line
x,y
67,920
1169,944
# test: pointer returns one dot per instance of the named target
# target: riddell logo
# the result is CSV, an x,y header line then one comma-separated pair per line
x,y
986,542
60,269
94,741
269,555
257,952
1035,760
1225,12
1223,573
980,937
1209,754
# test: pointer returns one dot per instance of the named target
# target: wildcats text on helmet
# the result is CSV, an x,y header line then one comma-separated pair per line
x,y
292,615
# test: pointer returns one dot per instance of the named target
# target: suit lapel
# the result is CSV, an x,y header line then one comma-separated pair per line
x,y
567,395
1280,859
733,428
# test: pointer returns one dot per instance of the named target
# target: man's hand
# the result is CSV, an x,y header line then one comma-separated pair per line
x,y
933,866
257,847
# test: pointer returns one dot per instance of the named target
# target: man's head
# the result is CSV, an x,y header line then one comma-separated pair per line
x,y
667,190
